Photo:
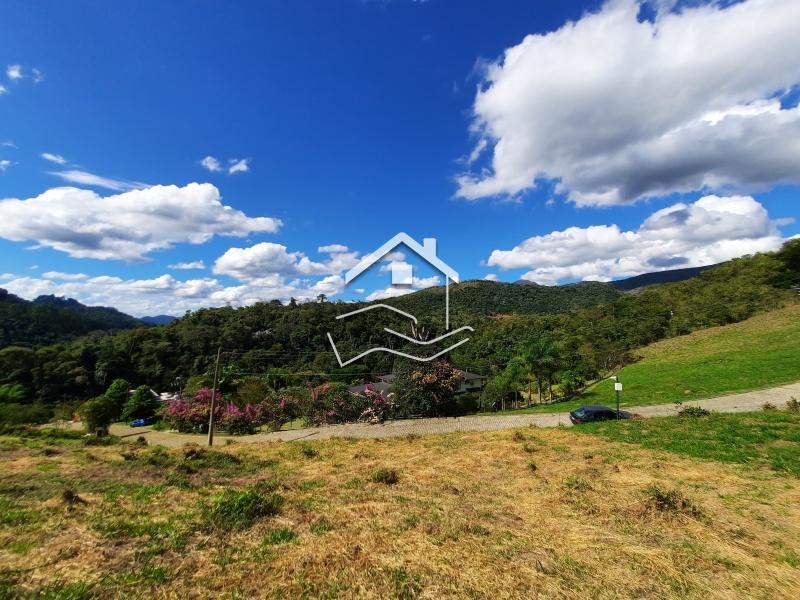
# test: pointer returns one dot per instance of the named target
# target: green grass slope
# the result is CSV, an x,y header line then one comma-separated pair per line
x,y
760,352
763,351
766,439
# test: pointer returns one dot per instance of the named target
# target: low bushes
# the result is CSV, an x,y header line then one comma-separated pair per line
x,y
234,509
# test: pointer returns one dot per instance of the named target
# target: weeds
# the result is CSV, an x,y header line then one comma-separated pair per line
x,y
281,535
386,476
240,509
793,405
693,411
671,501
768,406
320,526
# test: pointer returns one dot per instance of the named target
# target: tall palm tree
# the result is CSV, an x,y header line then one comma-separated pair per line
x,y
542,357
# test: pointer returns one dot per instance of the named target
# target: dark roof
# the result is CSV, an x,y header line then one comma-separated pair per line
x,y
467,376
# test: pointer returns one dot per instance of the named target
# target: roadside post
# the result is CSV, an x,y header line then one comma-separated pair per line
x,y
617,390
213,400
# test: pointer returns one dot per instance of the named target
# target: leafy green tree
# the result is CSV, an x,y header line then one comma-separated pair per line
x,y
425,388
117,394
97,413
12,393
140,405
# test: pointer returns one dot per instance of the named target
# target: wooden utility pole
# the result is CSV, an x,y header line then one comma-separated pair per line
x,y
213,400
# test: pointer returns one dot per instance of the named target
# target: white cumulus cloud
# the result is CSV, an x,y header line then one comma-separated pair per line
x,y
614,108
268,258
711,230
125,226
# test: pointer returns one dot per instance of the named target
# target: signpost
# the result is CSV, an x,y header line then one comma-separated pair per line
x,y
617,390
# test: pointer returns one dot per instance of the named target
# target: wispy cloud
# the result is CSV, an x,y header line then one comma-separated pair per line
x,y
55,158
235,165
211,164
187,266
14,72
238,166
3,90
86,178
4,164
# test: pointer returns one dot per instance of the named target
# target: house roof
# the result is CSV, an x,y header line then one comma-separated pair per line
x,y
401,238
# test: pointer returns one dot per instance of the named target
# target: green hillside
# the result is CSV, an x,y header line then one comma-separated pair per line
x,y
477,297
50,319
763,351
760,352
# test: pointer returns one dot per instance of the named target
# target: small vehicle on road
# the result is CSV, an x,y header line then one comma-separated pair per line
x,y
141,422
596,412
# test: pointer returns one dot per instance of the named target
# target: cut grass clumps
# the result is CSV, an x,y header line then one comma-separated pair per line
x,y
793,405
693,411
308,451
234,509
320,527
386,476
670,501
281,535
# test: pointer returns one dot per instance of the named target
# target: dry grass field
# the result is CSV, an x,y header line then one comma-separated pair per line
x,y
514,514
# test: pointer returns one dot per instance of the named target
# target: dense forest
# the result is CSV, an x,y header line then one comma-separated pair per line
x,y
49,319
557,338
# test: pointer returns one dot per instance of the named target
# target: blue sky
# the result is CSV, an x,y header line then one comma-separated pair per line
x,y
352,120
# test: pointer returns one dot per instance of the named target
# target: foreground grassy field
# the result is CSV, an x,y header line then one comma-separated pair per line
x,y
769,439
513,514
763,351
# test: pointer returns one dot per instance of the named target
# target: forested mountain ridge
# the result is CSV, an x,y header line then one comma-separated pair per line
x,y
478,297
50,319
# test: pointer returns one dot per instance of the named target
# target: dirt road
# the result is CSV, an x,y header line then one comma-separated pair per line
x,y
746,401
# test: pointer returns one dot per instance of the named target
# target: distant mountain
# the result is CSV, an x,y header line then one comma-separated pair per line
x,y
640,281
105,317
646,279
158,319
50,319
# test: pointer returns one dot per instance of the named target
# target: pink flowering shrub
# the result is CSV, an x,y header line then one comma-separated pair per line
x,y
241,421
190,415
379,407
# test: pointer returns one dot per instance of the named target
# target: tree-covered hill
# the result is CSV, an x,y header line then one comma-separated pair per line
x,y
49,319
476,297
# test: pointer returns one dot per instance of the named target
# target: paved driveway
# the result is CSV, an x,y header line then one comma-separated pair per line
x,y
747,401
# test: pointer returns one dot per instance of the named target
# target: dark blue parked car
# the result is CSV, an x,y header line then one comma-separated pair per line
x,y
596,412
141,422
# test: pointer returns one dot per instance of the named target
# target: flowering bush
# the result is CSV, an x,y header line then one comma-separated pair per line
x,y
241,421
379,407
191,414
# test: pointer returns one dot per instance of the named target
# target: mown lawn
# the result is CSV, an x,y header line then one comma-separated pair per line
x,y
510,514
763,439
761,352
